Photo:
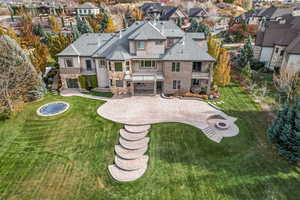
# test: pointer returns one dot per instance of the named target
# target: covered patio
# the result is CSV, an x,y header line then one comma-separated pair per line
x,y
145,83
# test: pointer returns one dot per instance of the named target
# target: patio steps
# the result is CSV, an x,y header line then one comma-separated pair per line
x,y
211,134
137,129
132,136
130,162
132,145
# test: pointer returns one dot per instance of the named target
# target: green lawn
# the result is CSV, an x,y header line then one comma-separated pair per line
x,y
100,94
66,157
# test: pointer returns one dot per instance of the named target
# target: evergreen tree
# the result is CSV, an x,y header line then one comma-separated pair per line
x,y
246,54
247,72
83,25
222,69
19,79
38,31
284,133
75,33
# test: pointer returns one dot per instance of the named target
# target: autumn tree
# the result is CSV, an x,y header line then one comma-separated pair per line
x,y
54,24
110,27
214,46
137,14
287,83
18,78
222,69
57,43
39,56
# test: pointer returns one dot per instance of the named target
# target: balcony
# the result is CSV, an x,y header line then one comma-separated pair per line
x,y
200,75
69,70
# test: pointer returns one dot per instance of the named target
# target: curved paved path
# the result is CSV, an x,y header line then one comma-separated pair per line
x,y
140,110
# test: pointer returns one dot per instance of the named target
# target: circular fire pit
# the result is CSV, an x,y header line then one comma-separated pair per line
x,y
222,124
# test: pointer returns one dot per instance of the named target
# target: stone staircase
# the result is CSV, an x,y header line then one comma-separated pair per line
x,y
130,162
211,134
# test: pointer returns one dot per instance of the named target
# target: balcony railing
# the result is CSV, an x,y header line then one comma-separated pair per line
x,y
200,75
70,70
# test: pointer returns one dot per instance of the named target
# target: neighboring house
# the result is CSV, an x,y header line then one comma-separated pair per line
x,y
148,57
87,9
198,14
258,16
155,11
277,44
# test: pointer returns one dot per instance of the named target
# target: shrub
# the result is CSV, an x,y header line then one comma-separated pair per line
x,y
5,114
285,132
257,65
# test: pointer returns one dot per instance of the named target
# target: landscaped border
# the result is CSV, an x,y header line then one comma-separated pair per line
x,y
41,114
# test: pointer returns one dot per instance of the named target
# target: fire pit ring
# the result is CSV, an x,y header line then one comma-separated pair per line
x,y
222,124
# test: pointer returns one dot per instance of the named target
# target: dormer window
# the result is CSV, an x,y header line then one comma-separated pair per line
x,y
140,45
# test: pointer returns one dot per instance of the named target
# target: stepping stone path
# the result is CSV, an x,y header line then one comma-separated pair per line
x,y
130,162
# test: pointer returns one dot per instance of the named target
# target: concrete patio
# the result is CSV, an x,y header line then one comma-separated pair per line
x,y
144,110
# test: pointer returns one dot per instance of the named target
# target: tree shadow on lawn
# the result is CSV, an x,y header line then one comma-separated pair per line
x,y
247,154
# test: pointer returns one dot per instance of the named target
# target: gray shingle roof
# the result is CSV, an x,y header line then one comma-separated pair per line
x,y
193,12
86,45
87,5
187,50
147,32
294,46
116,47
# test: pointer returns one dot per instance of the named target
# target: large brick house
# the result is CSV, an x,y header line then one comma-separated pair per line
x,y
148,57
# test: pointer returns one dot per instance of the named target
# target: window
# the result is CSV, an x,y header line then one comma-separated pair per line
x,y
68,62
141,45
176,84
118,67
176,67
148,64
158,42
90,12
195,82
281,53
127,66
72,83
197,66
88,64
119,83
169,43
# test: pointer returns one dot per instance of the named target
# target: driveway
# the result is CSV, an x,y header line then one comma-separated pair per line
x,y
140,110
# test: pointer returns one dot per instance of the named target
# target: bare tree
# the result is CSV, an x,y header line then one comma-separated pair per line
x,y
287,83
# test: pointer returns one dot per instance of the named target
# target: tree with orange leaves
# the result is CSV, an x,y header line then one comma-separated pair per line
x,y
110,27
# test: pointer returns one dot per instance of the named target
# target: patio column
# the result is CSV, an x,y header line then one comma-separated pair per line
x,y
155,87
132,88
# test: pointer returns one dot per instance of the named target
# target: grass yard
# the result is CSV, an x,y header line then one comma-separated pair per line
x,y
100,94
66,157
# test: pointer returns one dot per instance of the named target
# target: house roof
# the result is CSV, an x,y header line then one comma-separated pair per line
x,y
187,49
147,32
116,46
294,46
193,12
165,11
87,5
